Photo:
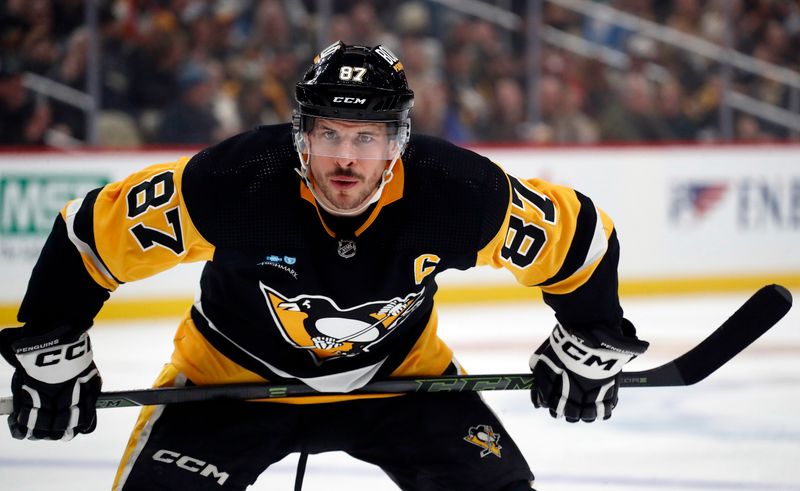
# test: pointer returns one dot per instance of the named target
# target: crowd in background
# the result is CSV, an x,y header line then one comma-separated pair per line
x,y
194,71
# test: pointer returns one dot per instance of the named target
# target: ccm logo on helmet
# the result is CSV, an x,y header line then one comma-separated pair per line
x,y
350,100
191,464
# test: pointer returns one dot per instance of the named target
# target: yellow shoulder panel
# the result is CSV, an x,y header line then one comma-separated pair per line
x,y
141,226
537,232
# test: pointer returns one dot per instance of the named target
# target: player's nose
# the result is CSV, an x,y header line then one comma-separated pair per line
x,y
344,161
345,158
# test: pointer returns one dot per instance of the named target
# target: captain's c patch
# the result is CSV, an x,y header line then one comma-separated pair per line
x,y
424,265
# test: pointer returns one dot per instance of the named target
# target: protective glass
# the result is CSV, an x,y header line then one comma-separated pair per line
x,y
353,140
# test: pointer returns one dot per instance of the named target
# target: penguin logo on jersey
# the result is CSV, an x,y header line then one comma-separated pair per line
x,y
316,324
483,436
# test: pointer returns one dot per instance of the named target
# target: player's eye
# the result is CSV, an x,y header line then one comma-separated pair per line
x,y
330,135
365,139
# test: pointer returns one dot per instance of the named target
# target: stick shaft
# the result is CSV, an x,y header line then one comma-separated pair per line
x,y
175,395
755,317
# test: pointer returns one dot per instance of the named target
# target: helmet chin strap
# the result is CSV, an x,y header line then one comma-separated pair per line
x,y
305,170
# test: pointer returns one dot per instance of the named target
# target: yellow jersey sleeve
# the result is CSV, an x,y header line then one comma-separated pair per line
x,y
552,236
136,227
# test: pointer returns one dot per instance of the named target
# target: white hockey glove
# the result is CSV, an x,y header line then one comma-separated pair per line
x,y
55,385
577,376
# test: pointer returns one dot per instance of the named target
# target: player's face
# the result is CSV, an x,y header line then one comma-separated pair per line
x,y
347,160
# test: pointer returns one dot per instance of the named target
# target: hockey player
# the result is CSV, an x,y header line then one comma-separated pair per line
x,y
322,240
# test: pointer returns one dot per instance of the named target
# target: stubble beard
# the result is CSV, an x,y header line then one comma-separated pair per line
x,y
342,200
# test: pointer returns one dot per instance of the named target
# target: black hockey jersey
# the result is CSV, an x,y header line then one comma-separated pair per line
x,y
290,292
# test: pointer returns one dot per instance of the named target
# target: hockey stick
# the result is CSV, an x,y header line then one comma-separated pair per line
x,y
755,317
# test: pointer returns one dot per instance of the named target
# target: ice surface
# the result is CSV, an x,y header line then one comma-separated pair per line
x,y
737,430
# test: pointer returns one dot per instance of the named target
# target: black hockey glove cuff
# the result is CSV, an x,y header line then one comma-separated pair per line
x,y
55,383
577,376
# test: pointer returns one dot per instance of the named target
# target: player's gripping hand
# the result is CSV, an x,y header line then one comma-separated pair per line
x,y
55,384
577,376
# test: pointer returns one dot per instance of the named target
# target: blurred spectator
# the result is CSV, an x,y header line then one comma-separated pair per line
x,y
571,124
190,120
422,57
469,73
749,130
366,27
254,107
686,16
42,54
223,100
562,120
635,119
67,118
206,32
40,16
703,108
24,118
671,107
596,86
115,66
430,106
507,119
14,25
154,62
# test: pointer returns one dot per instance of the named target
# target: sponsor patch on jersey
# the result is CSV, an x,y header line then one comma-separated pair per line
x,y
484,437
280,262
315,323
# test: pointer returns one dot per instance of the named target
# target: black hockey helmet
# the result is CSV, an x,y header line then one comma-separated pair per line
x,y
355,83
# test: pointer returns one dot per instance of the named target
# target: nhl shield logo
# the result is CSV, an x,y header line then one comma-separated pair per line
x,y
347,248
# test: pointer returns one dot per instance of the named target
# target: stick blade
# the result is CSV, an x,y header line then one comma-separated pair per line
x,y
755,317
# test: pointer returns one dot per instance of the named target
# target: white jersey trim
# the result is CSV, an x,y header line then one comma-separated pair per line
x,y
599,244
83,247
144,435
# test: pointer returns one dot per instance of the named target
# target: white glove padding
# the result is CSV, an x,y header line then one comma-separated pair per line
x,y
55,384
577,376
